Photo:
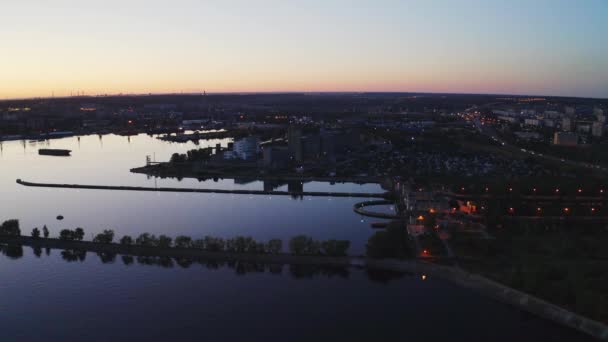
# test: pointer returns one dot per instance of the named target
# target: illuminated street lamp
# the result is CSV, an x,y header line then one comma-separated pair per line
x,y
566,210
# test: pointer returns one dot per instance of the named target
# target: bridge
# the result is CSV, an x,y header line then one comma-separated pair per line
x,y
215,191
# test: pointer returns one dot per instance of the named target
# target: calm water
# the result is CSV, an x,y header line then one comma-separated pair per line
x,y
107,160
48,299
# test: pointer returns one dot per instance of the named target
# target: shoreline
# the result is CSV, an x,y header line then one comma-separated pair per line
x,y
475,282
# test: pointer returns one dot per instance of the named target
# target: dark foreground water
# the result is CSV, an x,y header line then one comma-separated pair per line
x,y
47,298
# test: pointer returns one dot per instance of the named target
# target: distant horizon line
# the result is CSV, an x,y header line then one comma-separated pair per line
x,y
285,92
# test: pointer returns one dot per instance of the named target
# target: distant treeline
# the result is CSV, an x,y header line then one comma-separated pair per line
x,y
298,245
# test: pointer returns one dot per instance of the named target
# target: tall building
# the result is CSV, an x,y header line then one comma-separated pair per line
x,y
246,148
276,157
597,111
566,124
570,111
597,129
294,140
311,146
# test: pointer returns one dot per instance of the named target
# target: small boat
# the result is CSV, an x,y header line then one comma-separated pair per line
x,y
54,152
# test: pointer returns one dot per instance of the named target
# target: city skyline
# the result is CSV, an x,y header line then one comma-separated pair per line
x,y
549,48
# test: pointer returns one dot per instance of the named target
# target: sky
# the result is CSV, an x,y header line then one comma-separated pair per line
x,y
531,47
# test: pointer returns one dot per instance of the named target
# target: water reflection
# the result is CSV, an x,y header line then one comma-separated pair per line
x,y
12,251
71,255
296,271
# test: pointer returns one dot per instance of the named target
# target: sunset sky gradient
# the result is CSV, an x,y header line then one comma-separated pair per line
x,y
539,47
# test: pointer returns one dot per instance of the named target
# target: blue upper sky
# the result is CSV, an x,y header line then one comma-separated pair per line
x,y
539,47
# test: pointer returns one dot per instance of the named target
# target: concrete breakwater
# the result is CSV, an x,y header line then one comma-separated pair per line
x,y
455,275
216,191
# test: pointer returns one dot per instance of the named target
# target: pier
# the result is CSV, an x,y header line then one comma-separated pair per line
x,y
209,191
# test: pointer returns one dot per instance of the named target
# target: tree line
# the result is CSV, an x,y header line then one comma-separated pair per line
x,y
298,245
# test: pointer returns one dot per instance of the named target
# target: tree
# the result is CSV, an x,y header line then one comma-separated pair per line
x,y
274,246
10,227
45,232
335,247
36,233
126,240
214,244
231,245
79,234
242,244
107,236
147,239
304,245
183,241
198,243
164,241
297,244
389,243
66,234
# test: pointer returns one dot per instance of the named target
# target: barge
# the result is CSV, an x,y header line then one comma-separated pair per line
x,y
54,152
